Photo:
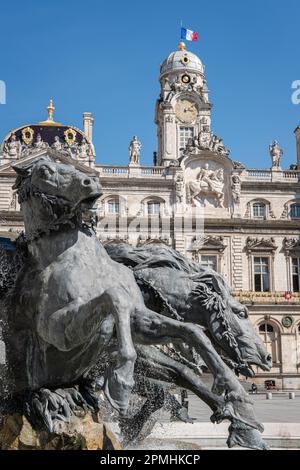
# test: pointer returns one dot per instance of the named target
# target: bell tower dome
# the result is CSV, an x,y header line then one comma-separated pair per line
x,y
183,108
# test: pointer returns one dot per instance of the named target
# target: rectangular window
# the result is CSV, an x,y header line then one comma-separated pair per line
x,y
259,211
295,211
113,207
153,208
261,274
209,261
185,133
296,274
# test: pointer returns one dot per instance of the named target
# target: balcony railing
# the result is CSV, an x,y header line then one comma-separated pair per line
x,y
131,171
256,174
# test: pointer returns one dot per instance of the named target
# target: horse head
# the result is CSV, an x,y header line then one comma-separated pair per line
x,y
52,193
228,324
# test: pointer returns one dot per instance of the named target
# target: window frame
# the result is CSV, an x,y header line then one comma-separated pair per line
x,y
259,204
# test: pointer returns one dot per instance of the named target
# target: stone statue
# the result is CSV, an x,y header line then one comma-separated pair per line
x,y
208,183
84,151
179,188
72,307
12,148
39,143
134,151
236,188
276,153
13,202
57,145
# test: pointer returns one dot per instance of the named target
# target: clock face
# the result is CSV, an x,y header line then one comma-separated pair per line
x,y
186,110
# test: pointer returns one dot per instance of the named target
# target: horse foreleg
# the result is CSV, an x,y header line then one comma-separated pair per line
x,y
151,328
154,364
120,381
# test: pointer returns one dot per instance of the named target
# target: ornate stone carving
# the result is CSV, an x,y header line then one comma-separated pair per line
x,y
208,242
236,188
276,153
237,165
179,188
144,240
27,135
291,244
206,140
134,151
12,148
208,183
260,244
57,144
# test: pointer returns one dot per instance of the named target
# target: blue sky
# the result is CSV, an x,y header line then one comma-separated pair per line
x,y
104,57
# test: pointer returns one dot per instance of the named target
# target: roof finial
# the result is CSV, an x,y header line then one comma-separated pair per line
x,y
181,46
51,110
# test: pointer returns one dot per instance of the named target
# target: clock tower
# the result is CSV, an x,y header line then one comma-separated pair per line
x,y
183,109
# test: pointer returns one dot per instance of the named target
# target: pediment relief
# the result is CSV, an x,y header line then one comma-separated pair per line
x,y
208,243
260,244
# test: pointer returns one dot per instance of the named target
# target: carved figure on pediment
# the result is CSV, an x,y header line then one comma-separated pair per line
x,y
39,144
57,145
12,148
84,150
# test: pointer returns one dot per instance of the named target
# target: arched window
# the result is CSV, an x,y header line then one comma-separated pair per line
x,y
271,337
113,206
259,210
153,208
295,211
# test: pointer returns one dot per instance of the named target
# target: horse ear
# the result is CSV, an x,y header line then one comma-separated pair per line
x,y
22,171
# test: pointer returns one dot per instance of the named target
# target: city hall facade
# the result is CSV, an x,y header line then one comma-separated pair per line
x,y
242,222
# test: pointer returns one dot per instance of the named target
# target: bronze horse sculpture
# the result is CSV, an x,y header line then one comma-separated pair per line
x,y
72,306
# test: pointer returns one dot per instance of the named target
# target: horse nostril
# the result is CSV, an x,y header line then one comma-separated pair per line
x,y
86,182
269,358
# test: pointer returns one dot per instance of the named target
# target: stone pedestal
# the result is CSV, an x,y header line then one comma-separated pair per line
x,y
80,433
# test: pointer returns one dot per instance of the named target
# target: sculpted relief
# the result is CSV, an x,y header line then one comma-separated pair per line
x,y
209,183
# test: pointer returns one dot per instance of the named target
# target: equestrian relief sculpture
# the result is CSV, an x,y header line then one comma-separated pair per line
x,y
83,324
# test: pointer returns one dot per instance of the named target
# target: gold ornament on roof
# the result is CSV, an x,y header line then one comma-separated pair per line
x,y
70,136
50,121
27,135
181,46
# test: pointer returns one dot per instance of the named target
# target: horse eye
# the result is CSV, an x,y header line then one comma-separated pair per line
x,y
242,313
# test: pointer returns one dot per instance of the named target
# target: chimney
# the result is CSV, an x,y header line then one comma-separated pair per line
x,y
88,125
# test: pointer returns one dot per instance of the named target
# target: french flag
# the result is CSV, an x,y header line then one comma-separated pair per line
x,y
189,35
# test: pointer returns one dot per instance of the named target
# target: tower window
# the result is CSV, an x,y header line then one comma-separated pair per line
x,y
296,274
259,210
153,208
185,133
295,211
261,274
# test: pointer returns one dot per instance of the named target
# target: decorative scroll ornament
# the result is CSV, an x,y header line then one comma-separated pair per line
x,y
70,136
27,135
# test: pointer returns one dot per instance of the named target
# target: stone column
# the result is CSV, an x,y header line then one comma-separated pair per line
x,y
88,121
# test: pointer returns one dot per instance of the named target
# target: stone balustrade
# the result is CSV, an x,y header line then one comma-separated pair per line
x,y
256,174
131,171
